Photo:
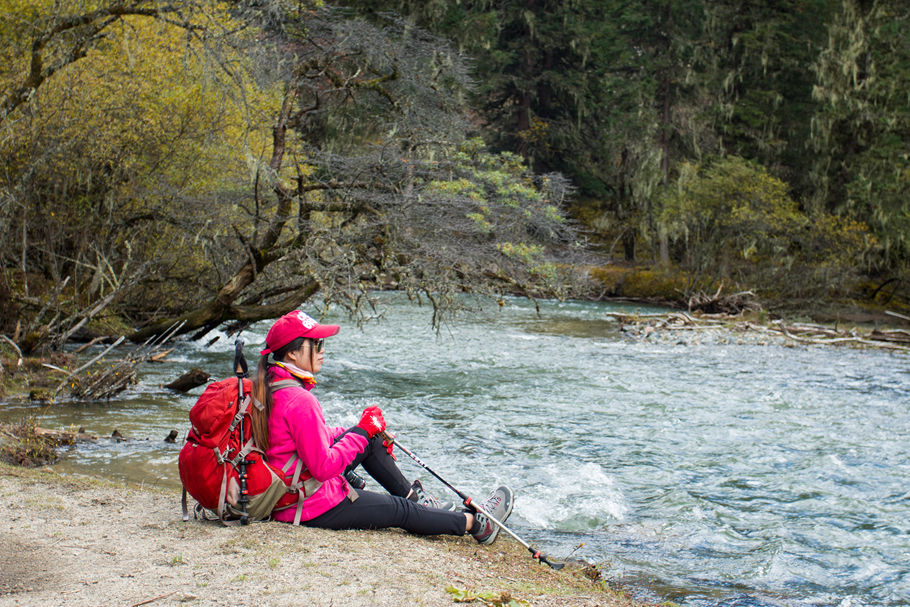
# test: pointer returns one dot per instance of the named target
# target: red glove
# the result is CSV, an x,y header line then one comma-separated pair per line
x,y
371,421
389,445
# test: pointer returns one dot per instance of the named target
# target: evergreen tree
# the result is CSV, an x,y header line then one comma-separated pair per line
x,y
756,59
596,90
861,132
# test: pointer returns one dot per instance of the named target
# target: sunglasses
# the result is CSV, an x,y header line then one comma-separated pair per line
x,y
318,345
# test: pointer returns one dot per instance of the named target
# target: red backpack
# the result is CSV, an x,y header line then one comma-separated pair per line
x,y
220,465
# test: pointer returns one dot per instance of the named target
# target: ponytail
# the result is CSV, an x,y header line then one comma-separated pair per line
x,y
262,397
262,393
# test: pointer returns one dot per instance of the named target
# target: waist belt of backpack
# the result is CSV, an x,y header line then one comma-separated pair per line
x,y
305,488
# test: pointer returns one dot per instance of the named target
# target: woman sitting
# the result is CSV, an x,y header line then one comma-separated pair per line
x,y
291,430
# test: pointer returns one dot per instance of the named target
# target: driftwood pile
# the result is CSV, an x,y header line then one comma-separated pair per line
x,y
111,379
734,303
643,326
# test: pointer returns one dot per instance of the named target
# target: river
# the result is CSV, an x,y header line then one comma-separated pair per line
x,y
707,474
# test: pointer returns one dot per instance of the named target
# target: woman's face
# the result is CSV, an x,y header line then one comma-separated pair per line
x,y
304,360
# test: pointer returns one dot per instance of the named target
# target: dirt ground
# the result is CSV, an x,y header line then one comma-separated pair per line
x,y
71,541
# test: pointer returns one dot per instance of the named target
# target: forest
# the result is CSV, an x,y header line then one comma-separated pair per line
x,y
200,162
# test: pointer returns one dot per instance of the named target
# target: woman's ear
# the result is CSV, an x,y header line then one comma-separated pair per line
x,y
302,357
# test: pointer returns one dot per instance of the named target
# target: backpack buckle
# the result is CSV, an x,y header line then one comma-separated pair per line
x,y
237,419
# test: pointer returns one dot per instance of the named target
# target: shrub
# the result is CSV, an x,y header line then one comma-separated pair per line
x,y
734,221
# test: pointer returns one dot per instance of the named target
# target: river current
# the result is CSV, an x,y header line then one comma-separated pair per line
x,y
703,474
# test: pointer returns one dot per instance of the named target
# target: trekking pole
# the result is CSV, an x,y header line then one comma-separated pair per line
x,y
240,370
469,502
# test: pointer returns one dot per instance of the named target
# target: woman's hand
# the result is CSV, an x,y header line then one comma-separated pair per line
x,y
371,421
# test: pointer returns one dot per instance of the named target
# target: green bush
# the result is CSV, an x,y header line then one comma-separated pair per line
x,y
733,221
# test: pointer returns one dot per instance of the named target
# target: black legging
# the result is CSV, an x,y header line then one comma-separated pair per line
x,y
377,510
376,460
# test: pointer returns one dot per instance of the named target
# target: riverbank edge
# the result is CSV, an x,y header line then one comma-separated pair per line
x,y
669,286
87,541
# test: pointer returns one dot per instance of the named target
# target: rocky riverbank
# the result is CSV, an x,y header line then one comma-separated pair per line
x,y
75,541
682,328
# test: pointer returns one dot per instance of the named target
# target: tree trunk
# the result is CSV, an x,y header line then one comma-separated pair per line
x,y
628,245
220,310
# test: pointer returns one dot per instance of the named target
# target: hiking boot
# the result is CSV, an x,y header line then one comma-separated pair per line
x,y
423,498
499,505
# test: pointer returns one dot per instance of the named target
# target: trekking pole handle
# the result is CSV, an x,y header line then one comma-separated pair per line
x,y
540,556
240,366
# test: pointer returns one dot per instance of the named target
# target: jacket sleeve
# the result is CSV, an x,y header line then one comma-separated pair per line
x,y
313,439
336,432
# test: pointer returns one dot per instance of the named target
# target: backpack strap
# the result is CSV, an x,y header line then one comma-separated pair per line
x,y
281,384
241,411
222,495
184,507
247,448
305,488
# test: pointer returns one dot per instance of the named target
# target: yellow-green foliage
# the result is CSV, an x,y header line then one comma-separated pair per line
x,y
500,195
149,116
669,284
734,220
22,445
461,186
662,283
491,599
482,219
526,253
610,277
733,206
149,90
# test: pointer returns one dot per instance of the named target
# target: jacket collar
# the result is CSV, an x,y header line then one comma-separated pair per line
x,y
289,371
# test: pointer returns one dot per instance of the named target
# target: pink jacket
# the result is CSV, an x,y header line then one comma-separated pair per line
x,y
297,426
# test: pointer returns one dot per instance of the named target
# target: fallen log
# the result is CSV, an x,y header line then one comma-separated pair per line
x,y
902,337
89,344
189,380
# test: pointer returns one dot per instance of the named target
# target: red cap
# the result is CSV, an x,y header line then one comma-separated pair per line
x,y
293,325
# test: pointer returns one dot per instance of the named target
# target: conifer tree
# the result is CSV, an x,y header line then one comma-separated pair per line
x,y
861,131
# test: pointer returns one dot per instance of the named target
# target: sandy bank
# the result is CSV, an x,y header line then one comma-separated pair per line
x,y
70,541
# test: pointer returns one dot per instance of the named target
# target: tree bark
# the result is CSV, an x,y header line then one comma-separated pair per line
x,y
214,312
191,379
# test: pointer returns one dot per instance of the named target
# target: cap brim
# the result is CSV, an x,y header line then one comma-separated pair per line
x,y
323,331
